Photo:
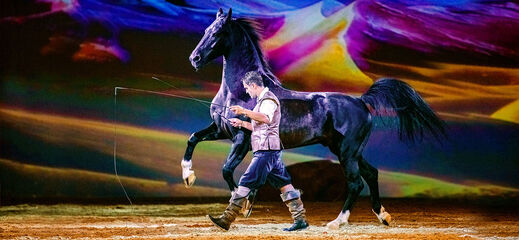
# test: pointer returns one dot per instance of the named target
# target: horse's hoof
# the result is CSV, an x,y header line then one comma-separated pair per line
x,y
188,175
190,180
384,217
335,225
247,207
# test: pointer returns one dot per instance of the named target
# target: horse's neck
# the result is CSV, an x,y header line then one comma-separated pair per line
x,y
234,68
231,86
241,59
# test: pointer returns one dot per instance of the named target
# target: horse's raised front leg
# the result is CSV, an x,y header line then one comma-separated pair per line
x,y
206,134
239,149
370,175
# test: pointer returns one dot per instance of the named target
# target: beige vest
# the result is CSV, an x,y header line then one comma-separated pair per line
x,y
266,136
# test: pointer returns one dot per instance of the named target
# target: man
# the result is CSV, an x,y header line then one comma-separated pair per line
x,y
266,164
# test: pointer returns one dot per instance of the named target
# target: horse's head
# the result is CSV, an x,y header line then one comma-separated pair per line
x,y
215,41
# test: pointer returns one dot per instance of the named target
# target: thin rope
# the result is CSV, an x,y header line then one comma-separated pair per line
x,y
115,147
194,98
171,85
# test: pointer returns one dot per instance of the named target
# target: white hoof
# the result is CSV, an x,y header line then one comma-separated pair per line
x,y
188,175
384,217
340,221
334,225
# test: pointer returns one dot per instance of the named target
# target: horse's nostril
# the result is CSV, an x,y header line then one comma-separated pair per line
x,y
196,58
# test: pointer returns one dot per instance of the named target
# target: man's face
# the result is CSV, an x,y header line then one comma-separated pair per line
x,y
251,89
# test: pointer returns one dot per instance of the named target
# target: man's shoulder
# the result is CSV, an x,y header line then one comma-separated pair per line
x,y
270,96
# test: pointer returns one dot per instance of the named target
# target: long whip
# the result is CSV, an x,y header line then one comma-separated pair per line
x,y
189,97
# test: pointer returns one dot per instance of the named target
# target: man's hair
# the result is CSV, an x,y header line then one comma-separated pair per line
x,y
253,77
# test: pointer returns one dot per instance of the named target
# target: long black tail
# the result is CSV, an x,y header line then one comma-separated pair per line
x,y
415,116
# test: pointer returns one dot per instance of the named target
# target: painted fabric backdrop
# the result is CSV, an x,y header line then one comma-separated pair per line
x,y
62,59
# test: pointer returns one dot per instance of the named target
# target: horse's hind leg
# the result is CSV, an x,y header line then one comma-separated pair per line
x,y
348,149
239,148
370,175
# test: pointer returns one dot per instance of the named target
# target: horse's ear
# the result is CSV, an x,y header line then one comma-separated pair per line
x,y
229,15
219,13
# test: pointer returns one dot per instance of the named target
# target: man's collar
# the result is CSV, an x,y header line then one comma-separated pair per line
x,y
265,90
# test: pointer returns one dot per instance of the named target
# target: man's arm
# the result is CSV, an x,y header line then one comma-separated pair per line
x,y
267,109
257,116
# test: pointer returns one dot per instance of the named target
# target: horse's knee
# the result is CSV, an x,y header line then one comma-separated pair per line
x,y
193,140
228,177
227,173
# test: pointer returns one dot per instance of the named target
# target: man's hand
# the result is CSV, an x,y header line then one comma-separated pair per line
x,y
237,110
256,116
236,122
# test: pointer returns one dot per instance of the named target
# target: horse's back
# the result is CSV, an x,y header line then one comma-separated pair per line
x,y
310,118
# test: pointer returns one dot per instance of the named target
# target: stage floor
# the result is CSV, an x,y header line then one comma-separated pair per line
x,y
412,219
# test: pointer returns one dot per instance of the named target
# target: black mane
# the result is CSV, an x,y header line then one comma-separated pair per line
x,y
254,29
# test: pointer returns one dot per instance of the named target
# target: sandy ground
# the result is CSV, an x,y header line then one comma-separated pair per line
x,y
413,219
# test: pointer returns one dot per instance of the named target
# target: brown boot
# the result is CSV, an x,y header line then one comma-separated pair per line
x,y
293,201
229,215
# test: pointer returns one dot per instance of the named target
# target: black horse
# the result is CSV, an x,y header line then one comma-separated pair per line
x,y
341,122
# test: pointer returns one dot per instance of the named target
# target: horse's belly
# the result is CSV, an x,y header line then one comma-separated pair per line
x,y
302,122
300,135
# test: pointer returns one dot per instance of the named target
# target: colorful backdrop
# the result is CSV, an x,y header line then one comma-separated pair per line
x,y
61,60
